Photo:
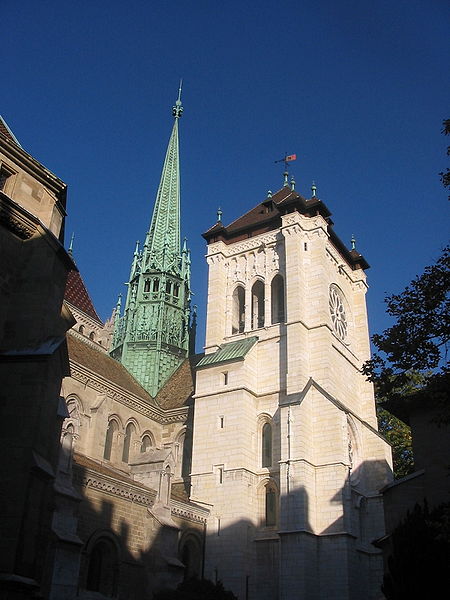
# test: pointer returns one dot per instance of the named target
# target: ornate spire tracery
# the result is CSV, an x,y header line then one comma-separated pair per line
x,y
152,337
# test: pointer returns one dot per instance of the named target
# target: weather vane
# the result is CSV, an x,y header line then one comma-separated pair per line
x,y
287,159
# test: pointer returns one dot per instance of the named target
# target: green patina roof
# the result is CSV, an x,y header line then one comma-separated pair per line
x,y
229,352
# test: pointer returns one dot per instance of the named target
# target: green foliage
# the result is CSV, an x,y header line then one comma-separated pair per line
x,y
412,354
420,559
445,175
399,436
196,589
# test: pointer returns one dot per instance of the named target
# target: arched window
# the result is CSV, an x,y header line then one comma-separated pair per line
x,y
129,433
146,443
238,322
155,285
113,428
81,329
277,298
191,556
65,456
92,336
271,505
257,305
147,285
103,568
266,445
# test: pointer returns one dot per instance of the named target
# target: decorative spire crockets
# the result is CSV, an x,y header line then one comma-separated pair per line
x,y
151,339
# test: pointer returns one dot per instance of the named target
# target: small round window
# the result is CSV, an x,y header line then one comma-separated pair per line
x,y
337,312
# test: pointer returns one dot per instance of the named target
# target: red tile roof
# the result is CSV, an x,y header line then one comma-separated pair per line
x,y
5,130
77,294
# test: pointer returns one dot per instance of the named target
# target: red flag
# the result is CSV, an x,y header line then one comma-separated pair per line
x,y
290,157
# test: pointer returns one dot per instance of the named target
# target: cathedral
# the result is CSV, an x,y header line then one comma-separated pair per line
x,y
134,463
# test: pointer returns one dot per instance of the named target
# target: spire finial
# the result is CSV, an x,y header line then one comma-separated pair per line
x,y
287,159
177,110
353,242
292,183
219,215
71,244
313,189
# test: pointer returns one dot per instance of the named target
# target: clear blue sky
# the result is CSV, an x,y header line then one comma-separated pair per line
x,y
357,88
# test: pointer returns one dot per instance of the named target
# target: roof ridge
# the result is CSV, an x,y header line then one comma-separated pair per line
x,y
6,130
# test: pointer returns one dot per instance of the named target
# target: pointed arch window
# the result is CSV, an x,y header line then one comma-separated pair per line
x,y
103,568
111,432
258,305
191,556
277,299
147,285
238,322
266,445
130,430
270,505
155,285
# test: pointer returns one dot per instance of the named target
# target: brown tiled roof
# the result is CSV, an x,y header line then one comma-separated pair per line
x,y
77,294
178,390
4,129
266,216
101,363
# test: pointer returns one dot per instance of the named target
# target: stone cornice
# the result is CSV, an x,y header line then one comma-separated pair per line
x,y
196,514
91,479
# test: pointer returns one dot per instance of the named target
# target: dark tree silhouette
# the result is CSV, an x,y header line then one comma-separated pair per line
x,y
420,560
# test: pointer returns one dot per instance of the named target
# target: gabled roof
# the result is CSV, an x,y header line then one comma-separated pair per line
x,y
231,352
105,366
77,294
179,388
6,131
266,216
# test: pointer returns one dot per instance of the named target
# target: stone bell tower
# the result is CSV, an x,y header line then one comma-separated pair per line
x,y
151,338
286,451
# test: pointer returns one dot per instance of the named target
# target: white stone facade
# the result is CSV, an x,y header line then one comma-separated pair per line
x,y
300,526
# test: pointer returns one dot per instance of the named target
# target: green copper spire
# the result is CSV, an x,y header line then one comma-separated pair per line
x,y
151,339
163,237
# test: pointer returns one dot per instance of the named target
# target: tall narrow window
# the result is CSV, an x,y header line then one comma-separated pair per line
x,y
110,434
257,305
238,322
155,285
147,285
129,433
271,505
103,568
266,439
277,298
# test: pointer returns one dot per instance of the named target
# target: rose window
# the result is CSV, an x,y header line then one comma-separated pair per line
x,y
337,312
